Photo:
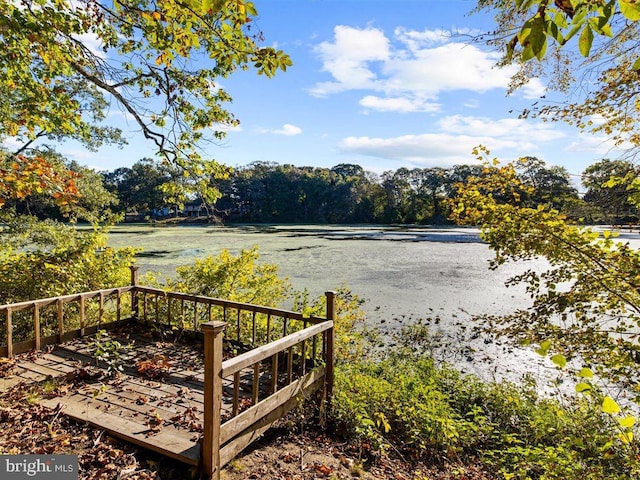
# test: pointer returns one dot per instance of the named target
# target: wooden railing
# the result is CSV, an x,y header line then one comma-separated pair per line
x,y
293,353
288,355
59,319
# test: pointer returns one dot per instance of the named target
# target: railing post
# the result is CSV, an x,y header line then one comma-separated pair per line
x,y
329,349
213,334
134,292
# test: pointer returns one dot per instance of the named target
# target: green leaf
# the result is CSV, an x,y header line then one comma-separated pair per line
x,y
627,422
527,54
559,360
609,405
541,52
537,37
586,373
582,387
585,41
575,29
636,65
630,9
212,6
554,31
544,348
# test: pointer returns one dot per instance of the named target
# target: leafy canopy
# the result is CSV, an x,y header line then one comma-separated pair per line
x,y
66,63
596,41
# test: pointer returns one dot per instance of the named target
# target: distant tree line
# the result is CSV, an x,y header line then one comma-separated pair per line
x,y
267,192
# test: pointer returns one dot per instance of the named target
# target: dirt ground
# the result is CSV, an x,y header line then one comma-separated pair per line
x,y
285,452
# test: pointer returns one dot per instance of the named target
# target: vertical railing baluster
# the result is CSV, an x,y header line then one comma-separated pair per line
x,y
236,394
274,373
134,292
239,323
195,316
36,324
82,315
100,309
60,320
9,332
144,308
157,302
268,327
253,328
314,349
256,383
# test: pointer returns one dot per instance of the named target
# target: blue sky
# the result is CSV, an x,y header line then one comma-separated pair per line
x,y
383,84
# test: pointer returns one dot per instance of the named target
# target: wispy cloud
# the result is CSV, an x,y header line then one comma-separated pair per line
x,y
399,104
416,66
288,130
447,146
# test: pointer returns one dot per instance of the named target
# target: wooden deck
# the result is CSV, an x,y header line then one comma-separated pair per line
x,y
163,414
185,400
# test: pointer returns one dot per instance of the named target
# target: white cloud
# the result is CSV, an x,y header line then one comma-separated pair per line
x,y
509,137
526,132
597,146
11,143
428,149
415,40
92,43
347,58
413,65
398,104
471,103
288,130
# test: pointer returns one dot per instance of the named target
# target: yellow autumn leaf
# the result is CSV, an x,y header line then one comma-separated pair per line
x,y
609,405
626,437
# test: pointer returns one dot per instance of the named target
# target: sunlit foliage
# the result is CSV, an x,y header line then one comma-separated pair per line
x,y
589,49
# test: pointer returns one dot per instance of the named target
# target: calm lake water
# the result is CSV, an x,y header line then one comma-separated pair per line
x,y
403,274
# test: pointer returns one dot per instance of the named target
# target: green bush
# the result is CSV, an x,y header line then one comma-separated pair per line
x,y
40,259
405,401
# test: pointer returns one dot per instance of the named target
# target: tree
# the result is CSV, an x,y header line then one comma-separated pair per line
x,y
21,176
57,86
586,306
92,202
551,185
540,36
612,199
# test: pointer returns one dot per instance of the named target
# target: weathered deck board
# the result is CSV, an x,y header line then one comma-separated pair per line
x,y
169,441
127,406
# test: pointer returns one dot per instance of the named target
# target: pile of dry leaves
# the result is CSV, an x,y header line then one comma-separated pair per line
x,y
26,427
